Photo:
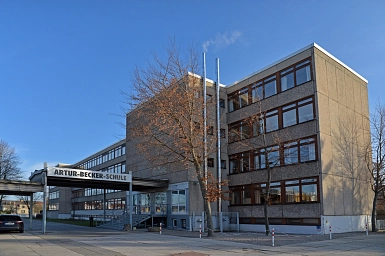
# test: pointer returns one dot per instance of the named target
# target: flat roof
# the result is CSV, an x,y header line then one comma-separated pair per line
x,y
297,52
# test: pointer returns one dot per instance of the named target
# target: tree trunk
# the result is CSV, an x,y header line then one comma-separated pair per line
x,y
210,226
267,226
206,203
374,211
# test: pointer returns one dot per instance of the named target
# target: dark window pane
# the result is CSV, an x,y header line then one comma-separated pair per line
x,y
309,193
289,118
303,75
272,123
287,81
305,113
292,194
270,88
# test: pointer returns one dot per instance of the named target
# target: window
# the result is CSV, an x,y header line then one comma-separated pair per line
x,y
303,73
53,195
303,190
290,153
246,194
289,115
244,130
238,99
210,130
307,150
234,165
287,79
257,92
222,103
305,110
160,203
223,133
271,121
223,164
210,162
240,163
259,159
178,201
145,203
273,156
270,86
245,162
243,98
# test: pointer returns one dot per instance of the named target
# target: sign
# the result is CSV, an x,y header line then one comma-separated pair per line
x,y
88,175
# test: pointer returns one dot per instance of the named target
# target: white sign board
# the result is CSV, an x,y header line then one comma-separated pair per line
x,y
88,175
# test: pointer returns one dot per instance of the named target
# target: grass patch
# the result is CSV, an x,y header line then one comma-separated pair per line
x,y
85,223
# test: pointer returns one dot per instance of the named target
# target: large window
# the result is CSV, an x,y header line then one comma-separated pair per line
x,y
145,203
303,190
281,81
239,99
178,201
297,112
240,163
160,202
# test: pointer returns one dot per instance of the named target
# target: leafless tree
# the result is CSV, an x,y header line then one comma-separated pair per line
x,y
165,120
375,157
9,163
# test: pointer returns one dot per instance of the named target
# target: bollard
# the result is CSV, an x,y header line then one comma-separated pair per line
x,y
200,230
367,230
330,234
272,236
160,229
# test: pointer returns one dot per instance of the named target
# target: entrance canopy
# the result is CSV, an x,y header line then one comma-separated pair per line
x,y
19,188
78,178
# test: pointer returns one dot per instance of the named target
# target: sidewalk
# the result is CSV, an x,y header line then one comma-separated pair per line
x,y
68,240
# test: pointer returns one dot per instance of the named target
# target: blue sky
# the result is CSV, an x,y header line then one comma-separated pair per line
x,y
64,63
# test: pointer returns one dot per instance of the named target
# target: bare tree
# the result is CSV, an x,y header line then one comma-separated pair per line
x,y
165,120
9,163
375,157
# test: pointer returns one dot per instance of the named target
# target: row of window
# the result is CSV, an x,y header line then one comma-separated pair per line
x,y
117,168
93,192
283,80
299,151
283,192
110,155
116,203
142,202
283,221
291,114
53,206
53,195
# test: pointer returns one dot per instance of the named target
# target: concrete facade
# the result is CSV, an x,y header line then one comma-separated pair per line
x,y
341,129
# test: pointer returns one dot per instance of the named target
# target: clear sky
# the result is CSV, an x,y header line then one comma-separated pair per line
x,y
64,63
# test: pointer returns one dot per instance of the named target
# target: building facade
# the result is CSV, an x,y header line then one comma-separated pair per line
x,y
65,202
313,112
302,123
